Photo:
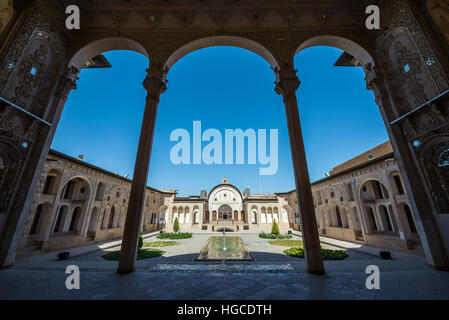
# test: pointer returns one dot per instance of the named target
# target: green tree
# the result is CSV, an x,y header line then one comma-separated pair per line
x,y
176,225
275,228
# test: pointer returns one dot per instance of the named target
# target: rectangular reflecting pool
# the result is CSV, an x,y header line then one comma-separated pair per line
x,y
236,250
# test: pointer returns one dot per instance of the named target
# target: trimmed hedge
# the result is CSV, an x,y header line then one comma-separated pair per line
x,y
142,254
326,254
171,235
161,243
264,235
286,243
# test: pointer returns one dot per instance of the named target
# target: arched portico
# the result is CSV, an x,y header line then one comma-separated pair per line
x,y
100,46
395,90
345,44
231,41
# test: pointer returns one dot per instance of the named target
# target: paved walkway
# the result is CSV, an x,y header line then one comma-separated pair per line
x,y
43,277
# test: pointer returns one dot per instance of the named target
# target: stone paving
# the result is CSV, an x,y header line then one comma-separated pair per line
x,y
405,277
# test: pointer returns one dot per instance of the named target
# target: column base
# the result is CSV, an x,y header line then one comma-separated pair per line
x,y
126,270
7,266
439,268
316,272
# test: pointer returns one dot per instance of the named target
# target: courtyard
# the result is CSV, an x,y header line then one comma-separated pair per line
x,y
176,275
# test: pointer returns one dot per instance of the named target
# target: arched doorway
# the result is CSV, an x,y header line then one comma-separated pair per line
x,y
372,224
225,212
111,218
254,215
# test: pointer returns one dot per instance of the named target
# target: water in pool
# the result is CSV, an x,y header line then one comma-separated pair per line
x,y
235,249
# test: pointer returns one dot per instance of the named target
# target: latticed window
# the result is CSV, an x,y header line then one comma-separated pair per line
x,y
443,160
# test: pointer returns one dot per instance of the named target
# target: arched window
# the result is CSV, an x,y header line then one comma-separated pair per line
x,y
196,216
398,183
224,212
100,191
254,216
51,182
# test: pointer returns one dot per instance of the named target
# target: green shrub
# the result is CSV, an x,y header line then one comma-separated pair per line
x,y
140,241
286,243
326,254
161,243
141,254
275,228
176,225
171,235
264,235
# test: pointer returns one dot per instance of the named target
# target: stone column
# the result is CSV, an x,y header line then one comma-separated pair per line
x,y
421,206
286,84
155,85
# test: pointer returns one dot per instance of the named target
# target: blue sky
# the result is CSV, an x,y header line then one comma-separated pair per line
x,y
224,88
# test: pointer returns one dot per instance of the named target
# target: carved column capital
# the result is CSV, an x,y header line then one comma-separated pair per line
x,y
155,81
67,83
287,82
375,82
371,75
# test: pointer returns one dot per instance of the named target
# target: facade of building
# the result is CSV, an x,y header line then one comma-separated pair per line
x,y
77,204
367,203
226,208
